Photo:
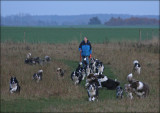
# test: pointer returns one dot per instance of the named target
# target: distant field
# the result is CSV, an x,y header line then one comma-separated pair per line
x,y
64,35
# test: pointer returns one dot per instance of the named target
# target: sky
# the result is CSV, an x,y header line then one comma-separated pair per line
x,y
79,7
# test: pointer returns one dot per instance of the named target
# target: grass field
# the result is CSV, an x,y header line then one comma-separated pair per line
x,y
55,94
65,35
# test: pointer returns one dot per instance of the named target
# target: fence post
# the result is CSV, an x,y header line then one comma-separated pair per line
x,y
24,37
139,36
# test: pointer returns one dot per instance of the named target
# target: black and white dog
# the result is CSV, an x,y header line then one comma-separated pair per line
x,y
83,73
90,78
110,84
92,65
76,77
47,58
29,55
119,92
140,89
136,67
129,91
130,78
137,87
81,70
92,90
14,85
38,76
88,70
99,67
60,72
30,61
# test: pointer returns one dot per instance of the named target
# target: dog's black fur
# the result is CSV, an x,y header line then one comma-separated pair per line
x,y
109,83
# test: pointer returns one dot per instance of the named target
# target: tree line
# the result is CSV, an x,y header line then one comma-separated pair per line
x,y
52,20
125,22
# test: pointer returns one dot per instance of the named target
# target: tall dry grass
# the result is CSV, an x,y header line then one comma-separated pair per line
x,y
119,56
12,61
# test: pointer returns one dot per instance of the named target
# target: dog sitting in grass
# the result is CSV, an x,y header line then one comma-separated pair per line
x,y
92,90
14,85
136,67
92,87
76,77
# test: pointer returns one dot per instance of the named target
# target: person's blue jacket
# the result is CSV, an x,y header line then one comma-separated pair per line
x,y
86,48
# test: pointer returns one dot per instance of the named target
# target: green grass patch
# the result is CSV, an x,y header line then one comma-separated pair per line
x,y
37,105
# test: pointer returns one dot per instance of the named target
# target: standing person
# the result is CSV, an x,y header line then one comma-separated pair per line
x,y
85,49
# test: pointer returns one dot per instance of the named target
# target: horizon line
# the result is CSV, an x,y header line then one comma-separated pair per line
x,y
24,14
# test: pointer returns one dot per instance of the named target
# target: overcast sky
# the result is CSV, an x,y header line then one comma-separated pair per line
x,y
79,7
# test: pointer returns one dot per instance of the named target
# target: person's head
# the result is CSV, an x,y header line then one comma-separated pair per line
x,y
85,39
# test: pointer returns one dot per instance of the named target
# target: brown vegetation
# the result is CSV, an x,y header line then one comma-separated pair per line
x,y
118,55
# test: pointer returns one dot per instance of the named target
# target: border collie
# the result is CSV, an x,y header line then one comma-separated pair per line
x,y
136,67
29,55
38,76
83,73
130,78
76,77
91,78
92,90
110,84
129,91
140,89
119,92
29,61
92,65
79,68
88,70
99,67
60,72
47,59
14,85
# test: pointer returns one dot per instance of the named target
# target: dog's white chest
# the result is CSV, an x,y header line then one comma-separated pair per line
x,y
13,87
92,92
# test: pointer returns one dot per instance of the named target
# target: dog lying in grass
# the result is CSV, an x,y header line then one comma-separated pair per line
x,y
38,76
60,72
